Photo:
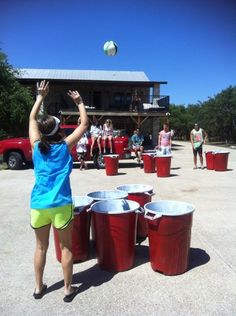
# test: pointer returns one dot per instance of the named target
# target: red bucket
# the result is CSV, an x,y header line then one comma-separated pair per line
x,y
221,160
101,196
111,164
148,163
163,165
210,160
115,226
141,194
169,233
80,234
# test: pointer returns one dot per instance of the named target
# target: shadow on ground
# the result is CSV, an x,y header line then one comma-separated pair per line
x,y
95,276
197,257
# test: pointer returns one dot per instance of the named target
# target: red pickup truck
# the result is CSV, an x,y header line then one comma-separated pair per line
x,y
17,151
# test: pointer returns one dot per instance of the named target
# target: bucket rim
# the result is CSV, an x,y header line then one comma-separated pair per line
x,y
111,155
149,188
107,198
79,208
134,207
221,152
190,206
163,156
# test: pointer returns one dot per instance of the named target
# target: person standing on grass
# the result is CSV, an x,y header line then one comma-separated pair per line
x,y
197,137
51,198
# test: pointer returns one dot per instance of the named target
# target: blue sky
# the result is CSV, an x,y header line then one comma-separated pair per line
x,y
191,44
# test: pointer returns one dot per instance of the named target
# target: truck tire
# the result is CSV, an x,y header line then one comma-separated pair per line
x,y
15,161
98,161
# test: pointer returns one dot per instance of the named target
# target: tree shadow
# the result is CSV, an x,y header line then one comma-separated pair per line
x,y
197,257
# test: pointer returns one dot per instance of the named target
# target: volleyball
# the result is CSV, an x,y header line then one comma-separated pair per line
x,y
110,48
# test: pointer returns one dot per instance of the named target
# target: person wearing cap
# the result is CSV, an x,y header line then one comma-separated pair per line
x,y
51,198
198,137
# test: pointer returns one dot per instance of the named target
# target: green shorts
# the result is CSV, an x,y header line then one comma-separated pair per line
x,y
60,217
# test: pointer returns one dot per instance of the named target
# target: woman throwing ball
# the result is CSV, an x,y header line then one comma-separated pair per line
x,y
51,200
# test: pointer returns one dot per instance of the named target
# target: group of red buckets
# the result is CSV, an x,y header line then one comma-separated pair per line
x,y
118,218
161,164
151,163
217,160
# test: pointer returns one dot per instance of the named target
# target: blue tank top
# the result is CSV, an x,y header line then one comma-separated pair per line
x,y
52,171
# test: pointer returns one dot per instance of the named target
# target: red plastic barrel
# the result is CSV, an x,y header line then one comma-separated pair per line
x,y
210,160
141,194
221,160
163,165
115,226
80,234
169,233
111,164
101,196
148,163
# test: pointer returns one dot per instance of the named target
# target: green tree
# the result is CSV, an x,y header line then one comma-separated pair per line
x,y
219,115
15,100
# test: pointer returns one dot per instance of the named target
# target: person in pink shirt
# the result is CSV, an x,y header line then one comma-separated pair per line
x,y
165,140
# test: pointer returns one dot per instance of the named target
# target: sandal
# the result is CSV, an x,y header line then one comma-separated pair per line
x,y
38,296
69,298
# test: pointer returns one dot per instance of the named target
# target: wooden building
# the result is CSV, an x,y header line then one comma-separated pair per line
x,y
105,94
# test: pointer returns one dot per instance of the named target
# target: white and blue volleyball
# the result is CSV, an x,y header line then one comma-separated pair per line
x,y
110,48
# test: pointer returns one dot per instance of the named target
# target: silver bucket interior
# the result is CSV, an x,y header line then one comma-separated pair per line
x,y
135,188
115,206
81,202
169,208
107,195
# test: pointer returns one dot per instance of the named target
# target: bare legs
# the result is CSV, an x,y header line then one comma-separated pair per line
x,y
98,139
42,241
65,239
138,152
195,161
110,143
42,238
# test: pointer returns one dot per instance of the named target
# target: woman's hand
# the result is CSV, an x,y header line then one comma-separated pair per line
x,y
75,96
43,88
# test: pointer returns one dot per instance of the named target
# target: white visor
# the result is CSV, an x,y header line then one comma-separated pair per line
x,y
57,122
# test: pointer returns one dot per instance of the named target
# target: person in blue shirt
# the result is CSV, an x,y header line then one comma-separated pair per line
x,y
51,198
137,140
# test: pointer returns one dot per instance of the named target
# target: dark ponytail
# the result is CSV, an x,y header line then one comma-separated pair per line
x,y
44,145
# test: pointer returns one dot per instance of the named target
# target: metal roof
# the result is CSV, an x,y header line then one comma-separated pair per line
x,y
98,75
